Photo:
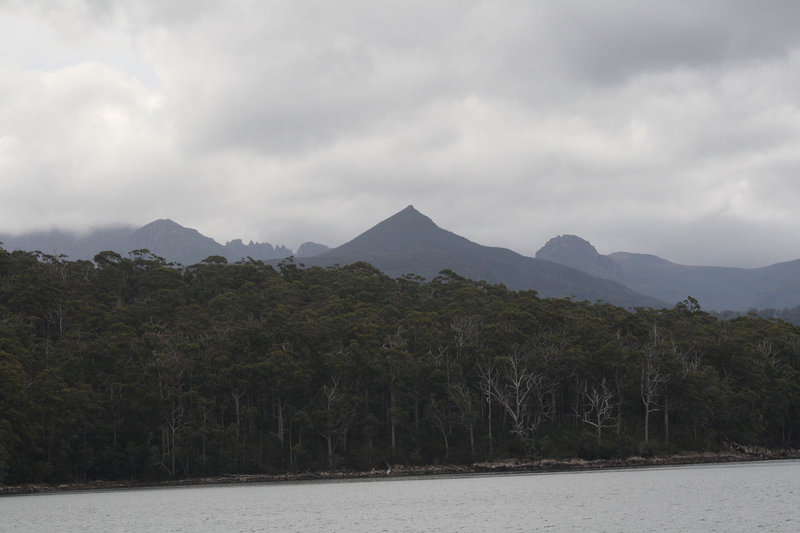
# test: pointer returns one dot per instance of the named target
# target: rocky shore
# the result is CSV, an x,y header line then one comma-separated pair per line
x,y
735,453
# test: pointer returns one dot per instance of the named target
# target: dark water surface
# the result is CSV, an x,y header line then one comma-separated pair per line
x,y
761,496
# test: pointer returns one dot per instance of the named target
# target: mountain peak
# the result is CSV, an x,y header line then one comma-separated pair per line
x,y
409,215
575,252
404,232
406,224
164,226
162,222
310,249
568,249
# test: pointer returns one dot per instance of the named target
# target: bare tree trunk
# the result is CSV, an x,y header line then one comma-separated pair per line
x,y
291,458
652,380
438,414
392,417
236,409
280,420
491,439
487,375
394,341
471,441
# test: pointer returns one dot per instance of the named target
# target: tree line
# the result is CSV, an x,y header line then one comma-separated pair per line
x,y
134,368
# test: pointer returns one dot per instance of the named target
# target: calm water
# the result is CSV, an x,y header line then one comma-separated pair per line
x,y
760,496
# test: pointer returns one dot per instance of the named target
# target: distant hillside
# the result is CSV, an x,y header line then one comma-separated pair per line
x,y
163,237
409,242
715,288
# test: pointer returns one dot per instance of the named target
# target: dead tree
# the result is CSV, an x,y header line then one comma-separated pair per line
x,y
600,407
651,384
517,386
487,382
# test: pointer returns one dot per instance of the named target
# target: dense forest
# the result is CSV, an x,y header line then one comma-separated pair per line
x,y
132,368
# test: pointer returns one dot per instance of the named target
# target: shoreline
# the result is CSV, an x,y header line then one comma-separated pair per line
x,y
737,454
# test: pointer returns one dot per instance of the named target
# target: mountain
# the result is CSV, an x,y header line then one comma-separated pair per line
x,y
163,237
715,288
310,249
577,253
409,242
187,246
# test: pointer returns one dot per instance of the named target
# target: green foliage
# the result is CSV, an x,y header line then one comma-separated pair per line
x,y
134,368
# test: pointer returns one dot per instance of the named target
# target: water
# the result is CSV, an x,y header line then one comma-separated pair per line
x,y
761,496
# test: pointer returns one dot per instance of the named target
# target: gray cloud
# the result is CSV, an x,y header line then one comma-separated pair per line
x,y
664,127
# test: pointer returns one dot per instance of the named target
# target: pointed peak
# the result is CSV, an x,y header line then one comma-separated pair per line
x,y
405,230
407,211
408,218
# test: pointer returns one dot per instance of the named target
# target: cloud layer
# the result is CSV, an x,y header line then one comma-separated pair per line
x,y
663,127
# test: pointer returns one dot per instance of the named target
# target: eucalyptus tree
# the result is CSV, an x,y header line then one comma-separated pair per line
x,y
600,407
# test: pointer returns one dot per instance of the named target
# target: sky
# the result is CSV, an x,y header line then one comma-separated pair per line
x,y
670,128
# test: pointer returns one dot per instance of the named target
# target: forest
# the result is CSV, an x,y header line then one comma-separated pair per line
x,y
130,368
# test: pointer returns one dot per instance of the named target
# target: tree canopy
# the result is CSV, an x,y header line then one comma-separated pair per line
x,y
133,368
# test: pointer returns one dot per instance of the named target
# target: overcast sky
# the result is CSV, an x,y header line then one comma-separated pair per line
x,y
670,128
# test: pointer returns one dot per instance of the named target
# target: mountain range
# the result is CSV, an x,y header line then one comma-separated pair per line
x,y
163,237
411,243
715,288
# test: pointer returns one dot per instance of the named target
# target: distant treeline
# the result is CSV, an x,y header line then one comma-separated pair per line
x,y
131,368
787,314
